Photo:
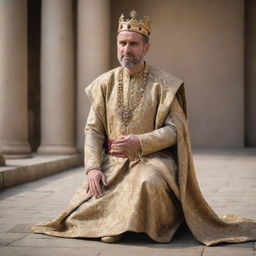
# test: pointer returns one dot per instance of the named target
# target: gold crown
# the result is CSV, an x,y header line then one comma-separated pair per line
x,y
141,26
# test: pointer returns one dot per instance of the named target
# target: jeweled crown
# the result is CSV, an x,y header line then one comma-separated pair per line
x,y
141,26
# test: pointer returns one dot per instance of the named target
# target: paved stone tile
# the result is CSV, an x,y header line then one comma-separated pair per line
x,y
21,228
19,219
40,236
222,251
39,251
6,227
241,245
21,202
228,180
194,251
53,242
7,238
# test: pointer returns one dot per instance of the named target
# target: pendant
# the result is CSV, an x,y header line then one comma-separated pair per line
x,y
126,113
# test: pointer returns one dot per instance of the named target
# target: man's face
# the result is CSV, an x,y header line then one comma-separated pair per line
x,y
130,48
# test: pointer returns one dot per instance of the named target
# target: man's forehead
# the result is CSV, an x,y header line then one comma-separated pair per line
x,y
129,35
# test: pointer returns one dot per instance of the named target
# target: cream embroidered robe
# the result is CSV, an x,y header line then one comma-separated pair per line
x,y
152,192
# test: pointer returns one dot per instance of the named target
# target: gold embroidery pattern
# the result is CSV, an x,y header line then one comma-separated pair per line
x,y
126,112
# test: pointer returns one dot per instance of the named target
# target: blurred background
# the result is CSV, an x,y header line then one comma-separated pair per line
x,y
50,50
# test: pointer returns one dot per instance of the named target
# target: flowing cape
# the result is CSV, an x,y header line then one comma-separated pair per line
x,y
203,222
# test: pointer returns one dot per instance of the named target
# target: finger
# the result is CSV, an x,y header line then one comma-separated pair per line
x,y
121,145
93,189
120,141
116,151
98,189
121,148
87,188
90,187
104,180
123,137
116,147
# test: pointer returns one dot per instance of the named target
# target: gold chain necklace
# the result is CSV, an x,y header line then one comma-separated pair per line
x,y
126,112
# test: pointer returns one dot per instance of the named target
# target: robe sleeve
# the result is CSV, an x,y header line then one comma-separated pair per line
x,y
159,139
94,140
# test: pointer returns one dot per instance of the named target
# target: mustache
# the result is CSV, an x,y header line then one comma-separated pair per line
x,y
129,54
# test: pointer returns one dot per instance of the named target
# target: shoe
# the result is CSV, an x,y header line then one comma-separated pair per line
x,y
111,239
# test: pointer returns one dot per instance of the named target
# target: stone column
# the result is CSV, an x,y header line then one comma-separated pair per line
x,y
2,161
13,79
250,73
93,35
57,78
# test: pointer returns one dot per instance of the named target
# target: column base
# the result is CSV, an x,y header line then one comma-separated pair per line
x,y
17,156
15,150
2,161
57,149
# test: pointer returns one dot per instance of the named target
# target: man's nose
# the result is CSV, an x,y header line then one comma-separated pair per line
x,y
127,48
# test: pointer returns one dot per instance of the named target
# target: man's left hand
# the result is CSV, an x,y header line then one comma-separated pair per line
x,y
126,145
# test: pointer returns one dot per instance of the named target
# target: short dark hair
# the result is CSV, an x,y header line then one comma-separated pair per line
x,y
145,39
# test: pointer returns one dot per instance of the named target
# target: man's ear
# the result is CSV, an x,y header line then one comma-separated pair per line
x,y
146,48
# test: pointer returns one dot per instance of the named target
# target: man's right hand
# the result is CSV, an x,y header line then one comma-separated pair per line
x,y
94,178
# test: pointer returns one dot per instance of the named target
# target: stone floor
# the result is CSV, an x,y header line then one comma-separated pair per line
x,y
227,180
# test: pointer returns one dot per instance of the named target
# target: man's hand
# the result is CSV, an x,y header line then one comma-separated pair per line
x,y
126,144
94,178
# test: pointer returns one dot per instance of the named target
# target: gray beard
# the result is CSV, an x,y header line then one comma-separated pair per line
x,y
130,63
